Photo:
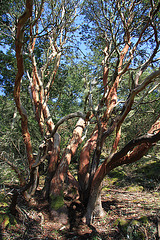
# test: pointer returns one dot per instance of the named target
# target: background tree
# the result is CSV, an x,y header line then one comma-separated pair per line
x,y
109,97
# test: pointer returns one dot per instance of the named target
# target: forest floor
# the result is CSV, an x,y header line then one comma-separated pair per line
x,y
130,198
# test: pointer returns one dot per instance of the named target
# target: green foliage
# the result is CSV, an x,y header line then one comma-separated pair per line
x,y
123,224
66,91
7,69
134,188
11,140
6,218
120,174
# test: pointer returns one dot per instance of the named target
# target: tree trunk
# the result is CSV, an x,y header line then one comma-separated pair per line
x,y
84,162
62,177
94,207
34,180
53,154
98,210
20,71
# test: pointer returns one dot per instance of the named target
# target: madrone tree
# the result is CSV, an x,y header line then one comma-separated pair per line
x,y
126,35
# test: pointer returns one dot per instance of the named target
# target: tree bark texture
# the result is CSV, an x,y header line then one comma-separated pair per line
x,y
20,71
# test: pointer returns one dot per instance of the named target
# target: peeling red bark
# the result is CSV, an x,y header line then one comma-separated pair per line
x,y
19,57
83,173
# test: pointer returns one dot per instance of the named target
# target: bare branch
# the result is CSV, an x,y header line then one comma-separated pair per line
x,y
62,120
53,75
149,139
39,13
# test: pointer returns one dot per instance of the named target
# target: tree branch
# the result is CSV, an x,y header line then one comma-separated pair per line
x,y
139,88
62,120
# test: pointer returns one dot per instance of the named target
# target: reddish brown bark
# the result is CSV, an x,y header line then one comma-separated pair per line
x,y
20,67
83,174
53,157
